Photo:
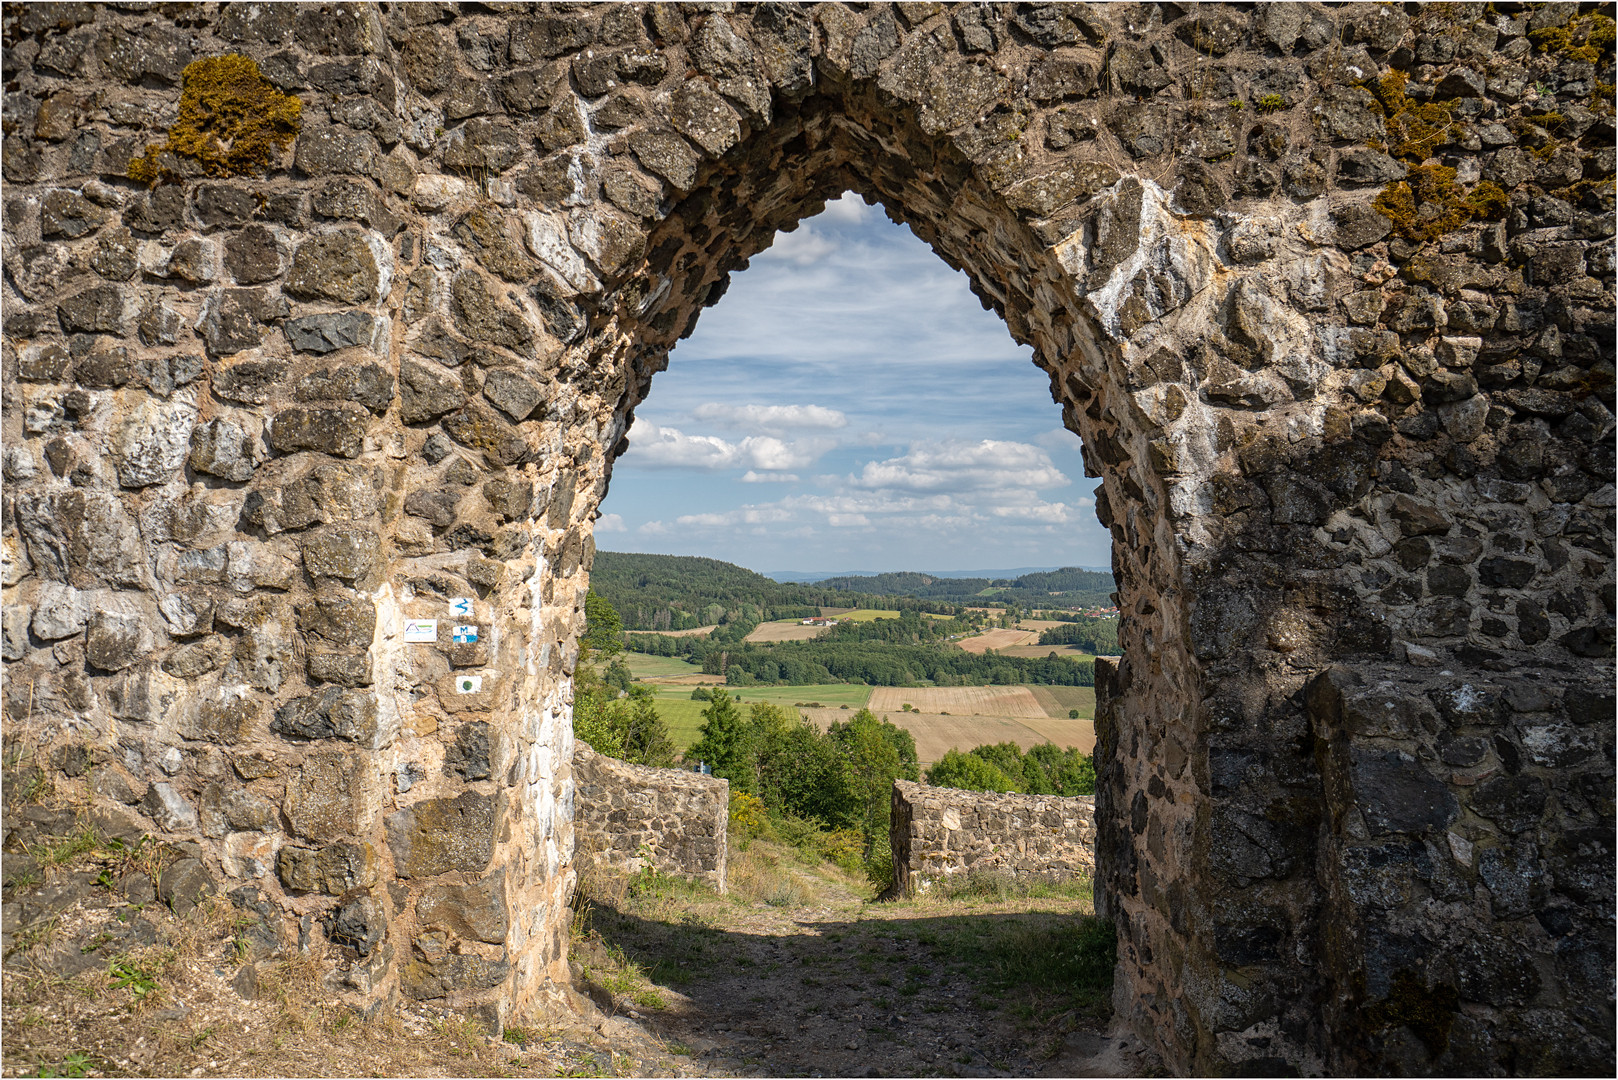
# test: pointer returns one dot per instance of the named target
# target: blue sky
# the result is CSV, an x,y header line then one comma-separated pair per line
x,y
849,405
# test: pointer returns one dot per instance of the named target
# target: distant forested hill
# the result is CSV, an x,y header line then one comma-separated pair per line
x,y
1073,584
681,592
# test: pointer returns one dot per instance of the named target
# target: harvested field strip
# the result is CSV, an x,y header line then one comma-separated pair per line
x,y
998,639
1057,700
1080,733
936,734
958,700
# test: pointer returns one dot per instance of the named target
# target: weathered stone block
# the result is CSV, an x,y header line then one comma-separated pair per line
x,y
441,836
328,797
341,266
330,331
475,912
359,922
334,869
115,639
338,430
221,448
334,713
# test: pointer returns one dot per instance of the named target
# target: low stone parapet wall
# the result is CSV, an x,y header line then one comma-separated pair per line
x,y
938,832
628,817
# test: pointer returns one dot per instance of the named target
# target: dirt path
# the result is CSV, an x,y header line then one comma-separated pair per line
x,y
821,982
792,973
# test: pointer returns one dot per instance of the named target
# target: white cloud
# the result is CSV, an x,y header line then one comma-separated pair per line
x,y
747,515
959,466
654,447
1057,439
611,523
848,209
751,477
770,417
1035,510
804,247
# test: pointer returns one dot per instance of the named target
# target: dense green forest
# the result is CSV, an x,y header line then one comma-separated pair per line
x,y
1098,636
1075,586
681,592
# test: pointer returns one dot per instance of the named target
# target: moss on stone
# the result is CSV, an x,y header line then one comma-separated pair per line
x,y
1429,1012
1270,103
1415,129
1488,201
1427,205
1583,38
232,121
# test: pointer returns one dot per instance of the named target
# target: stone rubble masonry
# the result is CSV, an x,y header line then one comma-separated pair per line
x,y
1326,291
937,832
628,817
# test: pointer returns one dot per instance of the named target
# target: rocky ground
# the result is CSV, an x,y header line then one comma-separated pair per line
x,y
116,965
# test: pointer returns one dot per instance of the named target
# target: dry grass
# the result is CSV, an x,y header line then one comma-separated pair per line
x,y
170,1009
958,700
998,639
1037,625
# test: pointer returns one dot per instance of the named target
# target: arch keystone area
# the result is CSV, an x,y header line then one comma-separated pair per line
x,y
1327,292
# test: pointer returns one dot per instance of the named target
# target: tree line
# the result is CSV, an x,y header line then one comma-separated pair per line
x,y
679,592
1097,636
905,651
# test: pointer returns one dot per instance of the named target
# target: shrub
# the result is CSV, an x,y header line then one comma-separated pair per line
x,y
748,818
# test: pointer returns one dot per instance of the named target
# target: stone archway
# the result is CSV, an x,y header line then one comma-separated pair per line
x,y
255,425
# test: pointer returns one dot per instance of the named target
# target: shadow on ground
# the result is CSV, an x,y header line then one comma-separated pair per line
x,y
852,988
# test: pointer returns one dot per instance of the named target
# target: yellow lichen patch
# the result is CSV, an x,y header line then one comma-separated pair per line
x,y
1415,129
232,121
1581,39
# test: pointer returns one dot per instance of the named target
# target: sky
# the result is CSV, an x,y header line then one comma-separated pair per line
x,y
849,405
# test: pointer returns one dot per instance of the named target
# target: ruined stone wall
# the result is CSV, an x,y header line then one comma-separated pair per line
x,y
628,817
937,832
1326,291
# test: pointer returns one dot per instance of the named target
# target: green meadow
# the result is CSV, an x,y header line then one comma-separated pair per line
x,y
684,716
